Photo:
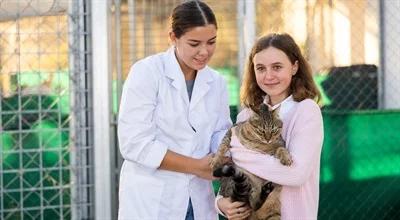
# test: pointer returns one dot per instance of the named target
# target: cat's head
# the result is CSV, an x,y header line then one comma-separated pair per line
x,y
266,122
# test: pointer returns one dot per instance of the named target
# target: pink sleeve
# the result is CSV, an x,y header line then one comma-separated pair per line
x,y
218,197
305,149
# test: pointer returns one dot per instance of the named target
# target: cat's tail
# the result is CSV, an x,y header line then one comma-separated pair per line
x,y
241,184
224,171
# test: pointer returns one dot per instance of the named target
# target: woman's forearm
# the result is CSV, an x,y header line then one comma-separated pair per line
x,y
176,162
179,163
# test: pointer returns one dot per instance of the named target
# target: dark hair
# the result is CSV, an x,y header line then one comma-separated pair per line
x,y
302,85
191,14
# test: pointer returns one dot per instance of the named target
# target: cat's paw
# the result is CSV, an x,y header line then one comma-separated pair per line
x,y
214,162
218,161
283,155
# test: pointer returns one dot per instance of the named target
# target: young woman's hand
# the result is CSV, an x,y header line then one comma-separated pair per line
x,y
202,168
233,210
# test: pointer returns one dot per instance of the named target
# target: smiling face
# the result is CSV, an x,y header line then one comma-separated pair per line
x,y
195,47
274,72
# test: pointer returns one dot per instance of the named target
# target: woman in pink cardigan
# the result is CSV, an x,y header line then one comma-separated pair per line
x,y
278,75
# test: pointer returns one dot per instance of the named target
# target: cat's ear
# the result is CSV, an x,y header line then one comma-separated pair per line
x,y
275,116
263,108
275,112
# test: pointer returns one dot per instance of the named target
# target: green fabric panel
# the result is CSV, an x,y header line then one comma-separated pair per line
x,y
360,165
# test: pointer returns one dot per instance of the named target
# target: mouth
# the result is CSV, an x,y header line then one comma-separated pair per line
x,y
271,84
200,61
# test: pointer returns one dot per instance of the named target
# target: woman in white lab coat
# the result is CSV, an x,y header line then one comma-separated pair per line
x,y
174,112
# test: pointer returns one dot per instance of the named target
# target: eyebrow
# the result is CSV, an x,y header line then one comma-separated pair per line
x,y
197,41
260,64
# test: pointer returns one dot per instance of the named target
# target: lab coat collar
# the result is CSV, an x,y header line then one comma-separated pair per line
x,y
283,106
174,72
201,86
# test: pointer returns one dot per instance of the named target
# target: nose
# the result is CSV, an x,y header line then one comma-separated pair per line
x,y
203,50
268,74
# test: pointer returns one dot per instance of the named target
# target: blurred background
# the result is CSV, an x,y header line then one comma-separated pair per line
x,y
63,64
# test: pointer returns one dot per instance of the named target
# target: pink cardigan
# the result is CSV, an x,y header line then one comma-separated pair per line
x,y
303,133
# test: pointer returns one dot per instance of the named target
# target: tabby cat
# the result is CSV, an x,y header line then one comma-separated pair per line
x,y
262,133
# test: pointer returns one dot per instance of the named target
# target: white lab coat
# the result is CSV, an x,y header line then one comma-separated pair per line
x,y
156,115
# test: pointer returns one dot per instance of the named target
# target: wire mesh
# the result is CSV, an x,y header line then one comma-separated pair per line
x,y
45,156
352,48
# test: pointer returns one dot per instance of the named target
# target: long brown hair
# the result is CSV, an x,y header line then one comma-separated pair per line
x,y
302,85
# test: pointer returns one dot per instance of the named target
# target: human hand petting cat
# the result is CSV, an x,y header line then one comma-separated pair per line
x,y
202,167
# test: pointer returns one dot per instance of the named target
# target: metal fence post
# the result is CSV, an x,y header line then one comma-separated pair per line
x,y
246,36
101,109
389,18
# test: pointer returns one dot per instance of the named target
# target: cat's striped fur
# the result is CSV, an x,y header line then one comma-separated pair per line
x,y
262,133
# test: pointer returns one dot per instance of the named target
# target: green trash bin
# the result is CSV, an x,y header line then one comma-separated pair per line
x,y
53,142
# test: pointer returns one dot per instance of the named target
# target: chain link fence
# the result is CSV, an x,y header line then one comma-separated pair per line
x,y
45,129
352,48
